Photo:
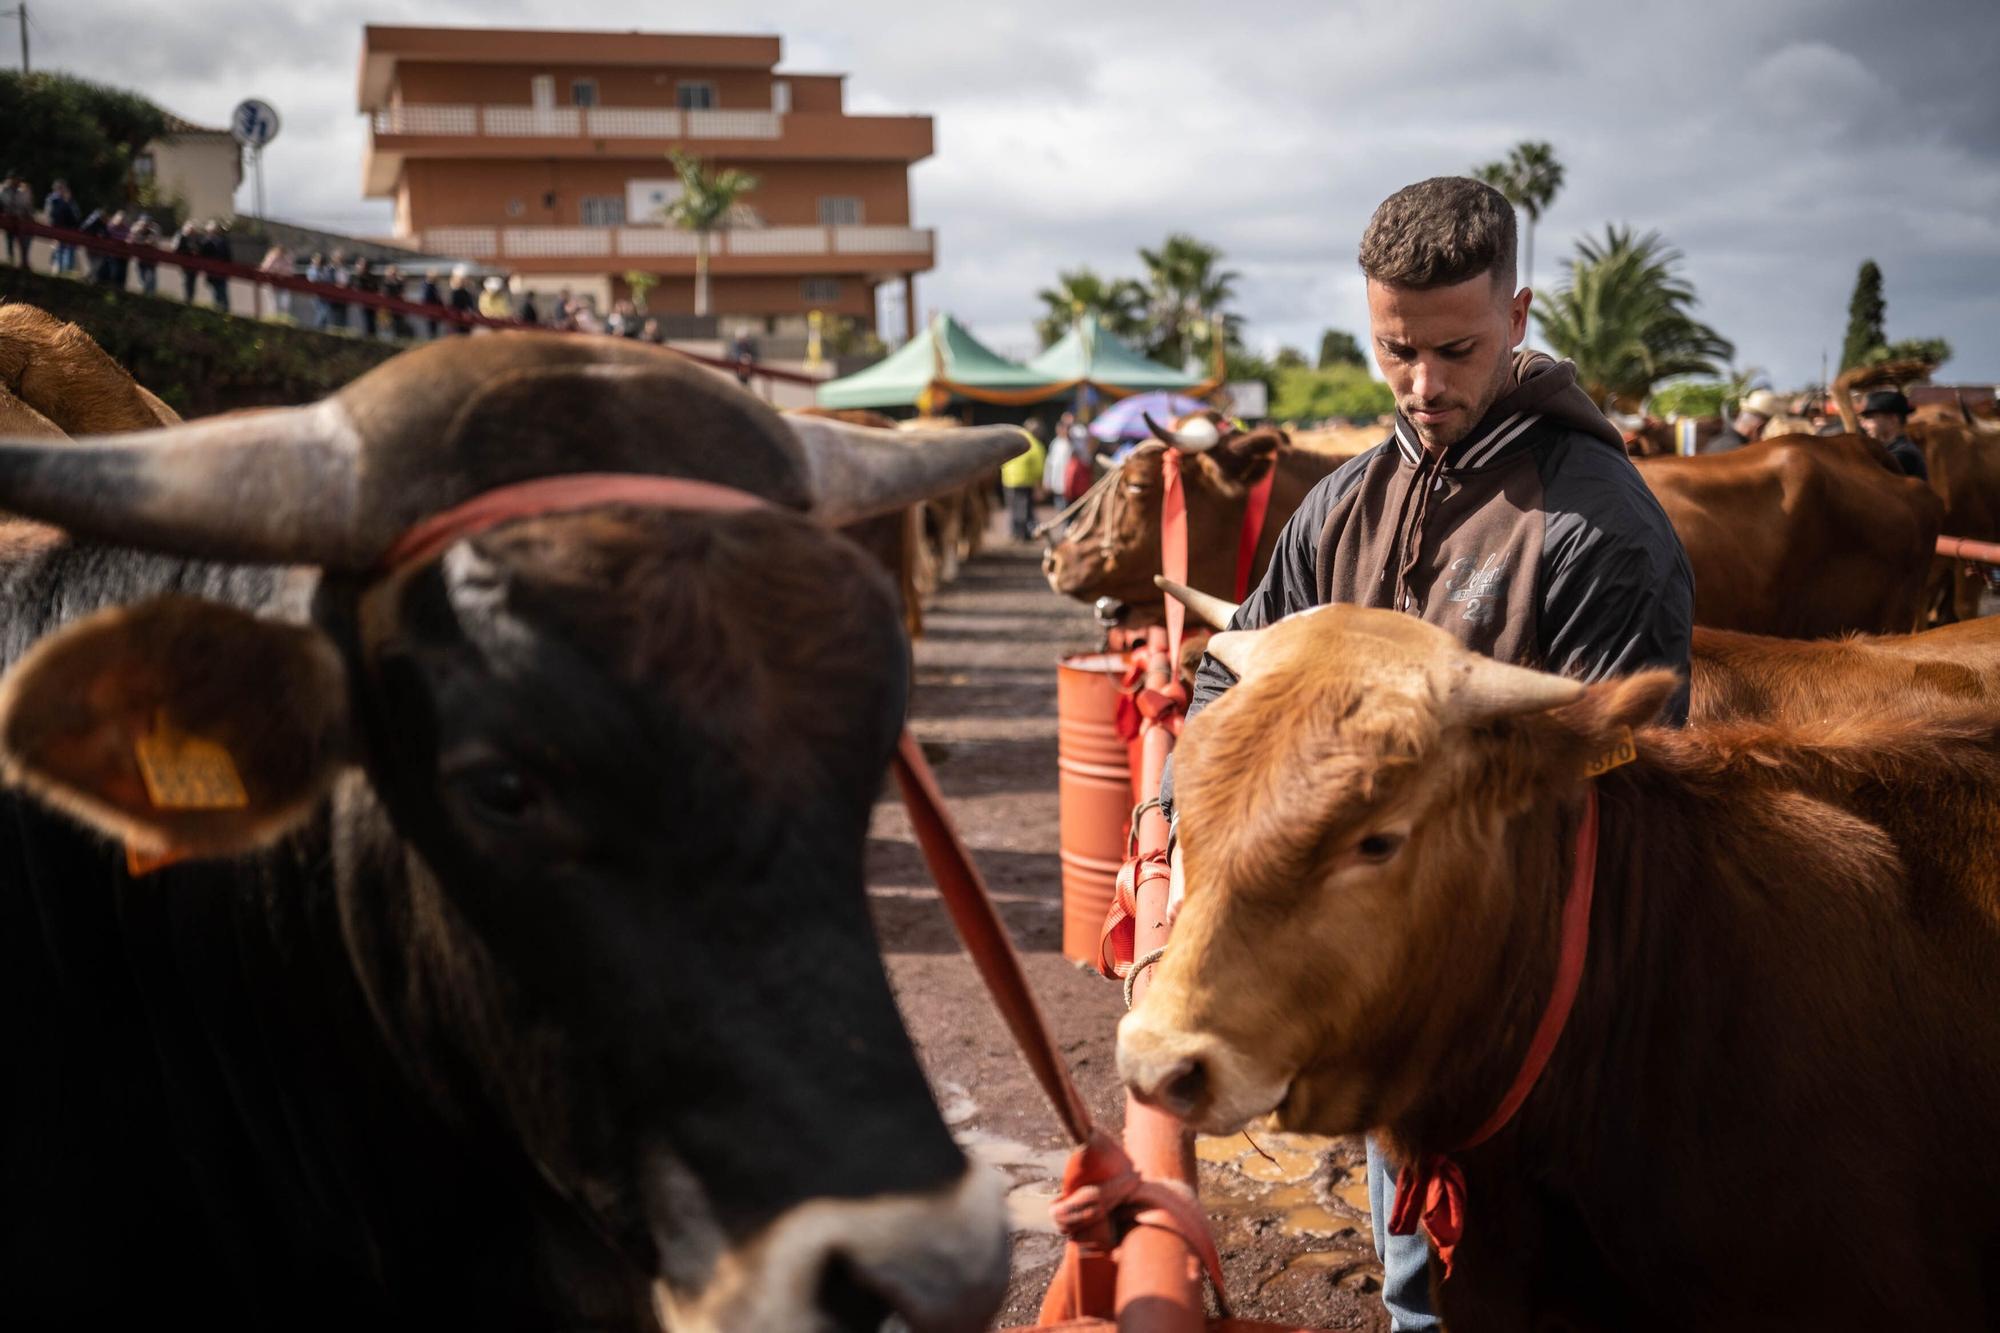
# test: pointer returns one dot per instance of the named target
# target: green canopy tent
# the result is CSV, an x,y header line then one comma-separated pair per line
x,y
944,360
1091,354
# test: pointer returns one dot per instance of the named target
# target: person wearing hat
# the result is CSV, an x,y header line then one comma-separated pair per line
x,y
1752,414
1883,417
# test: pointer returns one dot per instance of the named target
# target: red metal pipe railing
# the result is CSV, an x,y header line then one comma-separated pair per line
x,y
1965,548
1159,1277
326,291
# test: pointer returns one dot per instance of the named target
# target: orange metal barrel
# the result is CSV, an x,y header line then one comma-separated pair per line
x,y
1094,786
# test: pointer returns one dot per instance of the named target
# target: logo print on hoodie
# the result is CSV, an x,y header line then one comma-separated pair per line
x,y
1478,588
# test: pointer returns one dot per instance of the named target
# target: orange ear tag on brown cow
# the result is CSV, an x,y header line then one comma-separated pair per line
x,y
184,772
1622,752
181,772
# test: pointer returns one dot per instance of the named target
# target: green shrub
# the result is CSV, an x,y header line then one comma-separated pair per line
x,y
1339,390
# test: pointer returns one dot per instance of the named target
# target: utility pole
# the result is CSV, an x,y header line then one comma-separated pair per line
x,y
20,13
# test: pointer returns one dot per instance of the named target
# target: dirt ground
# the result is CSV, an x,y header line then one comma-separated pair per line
x,y
1291,1222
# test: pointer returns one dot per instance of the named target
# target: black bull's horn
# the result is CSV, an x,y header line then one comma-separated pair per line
x,y
334,484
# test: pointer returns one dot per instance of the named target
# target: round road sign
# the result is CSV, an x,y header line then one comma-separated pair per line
x,y
253,123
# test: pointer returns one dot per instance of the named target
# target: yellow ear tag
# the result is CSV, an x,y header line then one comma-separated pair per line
x,y
184,772
1622,752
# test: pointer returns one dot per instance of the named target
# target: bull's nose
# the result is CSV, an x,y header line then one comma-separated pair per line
x,y
1171,1072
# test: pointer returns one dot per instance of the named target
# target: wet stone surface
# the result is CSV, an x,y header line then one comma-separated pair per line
x,y
1291,1222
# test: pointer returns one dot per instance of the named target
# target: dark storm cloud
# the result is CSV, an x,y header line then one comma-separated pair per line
x,y
1776,144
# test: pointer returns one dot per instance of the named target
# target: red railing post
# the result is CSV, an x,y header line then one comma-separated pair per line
x,y
1159,1277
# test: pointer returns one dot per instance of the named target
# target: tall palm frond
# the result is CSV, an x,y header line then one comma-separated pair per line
x,y
1623,315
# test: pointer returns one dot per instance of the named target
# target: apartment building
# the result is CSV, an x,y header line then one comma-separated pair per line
x,y
545,153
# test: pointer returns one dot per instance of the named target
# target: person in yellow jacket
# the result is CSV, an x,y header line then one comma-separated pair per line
x,y
1019,476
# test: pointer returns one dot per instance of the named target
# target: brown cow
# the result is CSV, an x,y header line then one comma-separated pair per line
x,y
1111,547
1791,969
1802,536
1964,461
1749,676
1743,677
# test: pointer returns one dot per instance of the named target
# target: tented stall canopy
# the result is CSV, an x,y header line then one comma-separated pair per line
x,y
943,362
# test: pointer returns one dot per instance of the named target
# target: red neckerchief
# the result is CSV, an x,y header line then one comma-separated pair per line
x,y
1431,1190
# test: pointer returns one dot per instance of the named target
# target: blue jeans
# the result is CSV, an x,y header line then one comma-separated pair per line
x,y
1406,1279
64,259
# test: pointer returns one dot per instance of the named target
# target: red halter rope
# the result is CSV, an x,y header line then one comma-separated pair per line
x,y
1431,1190
1103,1195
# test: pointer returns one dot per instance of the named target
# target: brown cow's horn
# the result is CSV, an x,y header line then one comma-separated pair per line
x,y
270,487
1213,610
1480,689
1188,439
857,472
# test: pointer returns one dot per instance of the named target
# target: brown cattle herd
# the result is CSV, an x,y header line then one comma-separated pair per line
x,y
1771,1104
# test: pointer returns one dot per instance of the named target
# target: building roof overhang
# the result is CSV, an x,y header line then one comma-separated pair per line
x,y
382,46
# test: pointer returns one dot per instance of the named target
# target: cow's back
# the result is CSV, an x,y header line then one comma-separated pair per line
x,y
1801,537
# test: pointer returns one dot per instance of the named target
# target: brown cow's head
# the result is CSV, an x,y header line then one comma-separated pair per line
x,y
594,788
1111,547
1348,817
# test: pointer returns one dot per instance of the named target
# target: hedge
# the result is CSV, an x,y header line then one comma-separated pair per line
x,y
199,360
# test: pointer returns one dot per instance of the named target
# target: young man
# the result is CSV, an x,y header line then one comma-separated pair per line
x,y
1884,416
1503,509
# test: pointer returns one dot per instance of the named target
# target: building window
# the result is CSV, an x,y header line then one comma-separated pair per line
x,y
781,96
583,92
647,200
820,291
542,92
602,210
694,95
839,210
142,167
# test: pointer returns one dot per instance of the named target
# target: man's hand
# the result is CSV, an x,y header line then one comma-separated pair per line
x,y
1176,884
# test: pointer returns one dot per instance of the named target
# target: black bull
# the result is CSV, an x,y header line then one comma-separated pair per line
x,y
527,981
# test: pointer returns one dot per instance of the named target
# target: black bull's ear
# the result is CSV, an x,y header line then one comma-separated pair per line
x,y
183,727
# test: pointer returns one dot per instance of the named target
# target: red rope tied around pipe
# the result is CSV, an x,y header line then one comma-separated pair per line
x,y
1103,1196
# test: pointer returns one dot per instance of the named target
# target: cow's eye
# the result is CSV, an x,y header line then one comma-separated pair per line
x,y
1379,847
497,790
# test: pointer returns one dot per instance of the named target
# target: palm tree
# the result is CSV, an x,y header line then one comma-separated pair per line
x,y
1529,178
1186,290
1622,314
709,201
1118,303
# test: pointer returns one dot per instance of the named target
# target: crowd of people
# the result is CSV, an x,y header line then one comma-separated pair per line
x,y
1763,415
458,289
1057,466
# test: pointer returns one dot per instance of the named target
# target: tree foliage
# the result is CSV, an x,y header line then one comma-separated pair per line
x,y
1289,358
1338,347
708,202
1689,398
1341,390
1529,176
55,126
1623,314
1188,292
1933,352
1865,312
1118,303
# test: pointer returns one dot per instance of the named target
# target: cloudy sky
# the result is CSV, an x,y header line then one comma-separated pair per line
x,y
1778,143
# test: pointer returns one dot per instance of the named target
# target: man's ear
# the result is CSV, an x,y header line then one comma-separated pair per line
x,y
183,727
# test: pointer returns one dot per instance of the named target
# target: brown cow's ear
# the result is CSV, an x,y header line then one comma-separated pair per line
x,y
183,727
1238,649
1598,726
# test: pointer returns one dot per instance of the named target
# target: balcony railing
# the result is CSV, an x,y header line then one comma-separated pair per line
x,y
666,242
568,122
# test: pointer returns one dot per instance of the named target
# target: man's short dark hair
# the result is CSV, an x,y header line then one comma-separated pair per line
x,y
1440,232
